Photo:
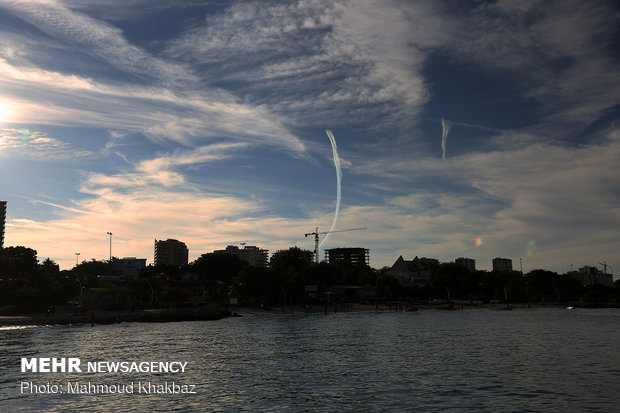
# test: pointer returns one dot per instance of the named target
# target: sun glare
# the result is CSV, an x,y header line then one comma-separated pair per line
x,y
6,112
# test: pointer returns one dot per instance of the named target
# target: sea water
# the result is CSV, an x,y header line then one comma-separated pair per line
x,y
549,359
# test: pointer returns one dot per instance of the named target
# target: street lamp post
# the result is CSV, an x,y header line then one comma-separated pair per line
x,y
110,234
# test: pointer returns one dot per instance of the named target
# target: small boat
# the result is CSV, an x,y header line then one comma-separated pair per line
x,y
570,307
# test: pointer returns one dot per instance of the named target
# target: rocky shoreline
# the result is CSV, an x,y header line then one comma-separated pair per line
x,y
208,312
216,312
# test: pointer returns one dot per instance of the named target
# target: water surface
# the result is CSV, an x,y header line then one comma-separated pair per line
x,y
430,360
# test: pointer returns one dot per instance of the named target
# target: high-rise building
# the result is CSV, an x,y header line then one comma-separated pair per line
x,y
171,252
468,263
250,254
589,275
2,221
502,264
355,256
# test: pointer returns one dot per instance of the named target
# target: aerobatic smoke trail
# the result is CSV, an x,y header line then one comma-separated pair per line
x,y
330,135
446,125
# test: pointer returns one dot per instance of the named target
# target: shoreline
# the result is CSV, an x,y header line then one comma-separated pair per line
x,y
385,308
215,312
208,312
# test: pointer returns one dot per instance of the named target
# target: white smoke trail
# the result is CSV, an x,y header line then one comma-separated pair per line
x,y
471,125
330,135
446,125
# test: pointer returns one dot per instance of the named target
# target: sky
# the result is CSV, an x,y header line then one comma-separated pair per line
x,y
476,129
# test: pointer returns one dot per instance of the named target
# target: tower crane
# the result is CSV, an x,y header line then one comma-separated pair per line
x,y
316,234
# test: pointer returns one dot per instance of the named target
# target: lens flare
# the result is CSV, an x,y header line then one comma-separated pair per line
x,y
26,136
478,241
531,247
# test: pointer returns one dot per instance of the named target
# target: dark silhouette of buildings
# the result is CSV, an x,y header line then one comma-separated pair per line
x,y
410,273
502,264
171,252
355,256
588,275
250,254
129,267
468,263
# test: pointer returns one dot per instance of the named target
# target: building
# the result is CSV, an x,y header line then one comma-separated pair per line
x,y
354,256
253,255
502,264
468,263
588,275
414,272
129,267
2,222
171,252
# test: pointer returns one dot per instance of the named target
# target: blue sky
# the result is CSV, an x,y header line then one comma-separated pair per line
x,y
205,121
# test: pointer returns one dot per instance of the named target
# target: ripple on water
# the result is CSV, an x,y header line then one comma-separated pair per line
x,y
538,360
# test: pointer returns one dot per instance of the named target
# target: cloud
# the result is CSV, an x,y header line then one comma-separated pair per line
x,y
34,145
52,98
161,171
564,197
571,72
95,37
179,107
204,221
255,74
150,201
332,54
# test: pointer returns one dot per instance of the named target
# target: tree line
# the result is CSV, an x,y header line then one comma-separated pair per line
x,y
292,278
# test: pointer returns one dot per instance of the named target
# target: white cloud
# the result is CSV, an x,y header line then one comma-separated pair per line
x,y
94,36
186,117
174,109
203,221
561,50
340,56
564,198
34,145
302,63
161,170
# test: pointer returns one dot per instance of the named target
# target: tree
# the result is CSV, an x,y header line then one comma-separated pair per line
x,y
547,285
261,285
18,264
165,271
217,266
89,270
176,294
291,263
449,281
49,267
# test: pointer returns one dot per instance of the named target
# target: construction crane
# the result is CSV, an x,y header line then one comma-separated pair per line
x,y
604,264
316,234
